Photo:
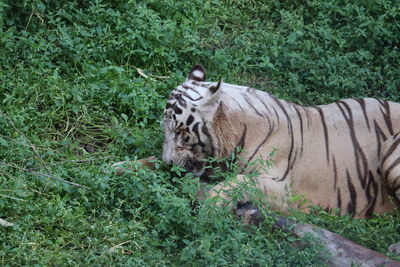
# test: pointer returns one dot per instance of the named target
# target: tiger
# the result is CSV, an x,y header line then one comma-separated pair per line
x,y
339,156
343,156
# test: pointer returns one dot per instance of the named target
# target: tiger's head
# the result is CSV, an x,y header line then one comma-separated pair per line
x,y
187,122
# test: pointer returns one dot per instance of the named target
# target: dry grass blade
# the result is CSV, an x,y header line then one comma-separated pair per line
x,y
112,249
5,223
141,73
45,175
72,161
15,198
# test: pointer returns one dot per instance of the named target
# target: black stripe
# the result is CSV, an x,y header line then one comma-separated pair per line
x,y
294,160
276,114
205,131
194,90
306,111
189,120
261,144
176,109
321,114
352,205
393,165
191,98
238,104
270,123
289,122
242,138
361,101
250,103
195,129
301,129
358,152
390,151
290,129
185,94
371,196
380,135
386,115
339,199
264,104
177,90
335,176
200,84
182,102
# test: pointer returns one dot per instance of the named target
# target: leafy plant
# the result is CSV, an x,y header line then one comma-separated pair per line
x,y
83,85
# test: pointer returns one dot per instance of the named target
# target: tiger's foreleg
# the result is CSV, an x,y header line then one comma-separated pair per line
x,y
275,193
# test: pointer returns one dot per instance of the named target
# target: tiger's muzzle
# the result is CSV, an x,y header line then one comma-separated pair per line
x,y
194,166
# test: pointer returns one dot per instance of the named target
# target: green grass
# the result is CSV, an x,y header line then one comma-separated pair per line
x,y
74,102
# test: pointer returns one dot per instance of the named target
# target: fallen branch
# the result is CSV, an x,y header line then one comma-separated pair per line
x,y
343,251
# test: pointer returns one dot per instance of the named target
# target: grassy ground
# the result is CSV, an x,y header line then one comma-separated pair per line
x,y
83,84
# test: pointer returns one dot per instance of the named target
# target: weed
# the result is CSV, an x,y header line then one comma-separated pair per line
x,y
83,85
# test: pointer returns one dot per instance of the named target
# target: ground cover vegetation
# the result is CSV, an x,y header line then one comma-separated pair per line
x,y
83,84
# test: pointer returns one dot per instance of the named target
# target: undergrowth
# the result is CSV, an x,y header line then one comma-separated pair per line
x,y
83,85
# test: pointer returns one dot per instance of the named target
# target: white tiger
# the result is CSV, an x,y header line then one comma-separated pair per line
x,y
343,156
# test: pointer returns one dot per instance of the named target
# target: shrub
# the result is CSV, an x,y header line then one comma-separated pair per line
x,y
83,84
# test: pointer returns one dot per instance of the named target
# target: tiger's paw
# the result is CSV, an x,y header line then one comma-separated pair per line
x,y
134,165
395,248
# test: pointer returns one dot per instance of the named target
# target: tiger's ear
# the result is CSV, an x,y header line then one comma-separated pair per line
x,y
215,92
198,73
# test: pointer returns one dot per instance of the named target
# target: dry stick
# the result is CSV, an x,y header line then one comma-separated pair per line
x,y
43,174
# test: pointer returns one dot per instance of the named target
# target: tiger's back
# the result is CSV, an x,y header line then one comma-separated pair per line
x,y
342,145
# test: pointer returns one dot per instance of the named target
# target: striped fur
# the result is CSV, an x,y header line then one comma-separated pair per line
x,y
345,155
